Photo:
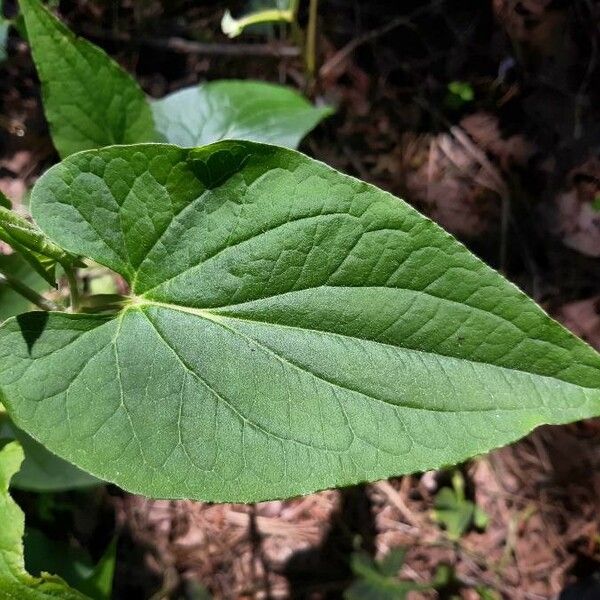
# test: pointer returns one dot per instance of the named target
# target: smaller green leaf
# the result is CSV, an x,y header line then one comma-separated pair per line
x,y
98,585
392,562
454,515
480,518
362,564
376,581
15,582
231,109
89,100
454,512
486,593
233,27
462,90
74,565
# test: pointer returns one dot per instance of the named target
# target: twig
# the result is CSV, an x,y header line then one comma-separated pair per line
x,y
73,288
181,45
396,499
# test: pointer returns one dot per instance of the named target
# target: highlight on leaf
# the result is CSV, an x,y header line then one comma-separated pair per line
x,y
289,329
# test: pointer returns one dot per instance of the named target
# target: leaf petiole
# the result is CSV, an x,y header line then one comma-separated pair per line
x,y
73,287
28,293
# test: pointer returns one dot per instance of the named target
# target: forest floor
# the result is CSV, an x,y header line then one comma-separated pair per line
x,y
485,115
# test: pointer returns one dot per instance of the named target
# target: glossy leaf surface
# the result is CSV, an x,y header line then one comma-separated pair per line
x,y
249,110
290,329
89,100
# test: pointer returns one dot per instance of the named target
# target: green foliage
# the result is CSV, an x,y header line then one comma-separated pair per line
x,y
4,25
454,512
4,201
249,110
71,564
289,329
88,99
378,580
459,93
15,582
91,102
41,470
25,238
11,303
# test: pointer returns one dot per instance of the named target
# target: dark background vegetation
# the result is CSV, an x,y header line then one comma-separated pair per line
x,y
485,114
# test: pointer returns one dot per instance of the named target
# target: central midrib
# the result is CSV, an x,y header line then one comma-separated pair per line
x,y
222,320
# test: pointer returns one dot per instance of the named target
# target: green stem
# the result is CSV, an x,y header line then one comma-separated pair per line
x,y
311,39
28,293
73,287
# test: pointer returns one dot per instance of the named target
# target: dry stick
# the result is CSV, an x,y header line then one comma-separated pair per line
x,y
396,499
28,293
177,44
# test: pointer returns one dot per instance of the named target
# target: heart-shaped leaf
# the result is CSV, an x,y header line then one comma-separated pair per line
x,y
89,100
248,110
290,329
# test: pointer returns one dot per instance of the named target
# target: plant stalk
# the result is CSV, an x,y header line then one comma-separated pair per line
x,y
73,288
28,293
310,50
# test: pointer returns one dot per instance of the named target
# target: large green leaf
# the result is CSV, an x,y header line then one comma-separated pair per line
x,y
249,110
15,582
41,469
89,100
290,329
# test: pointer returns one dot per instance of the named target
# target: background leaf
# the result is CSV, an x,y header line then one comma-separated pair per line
x,y
12,303
42,471
72,564
290,329
15,582
4,25
4,201
89,100
250,110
